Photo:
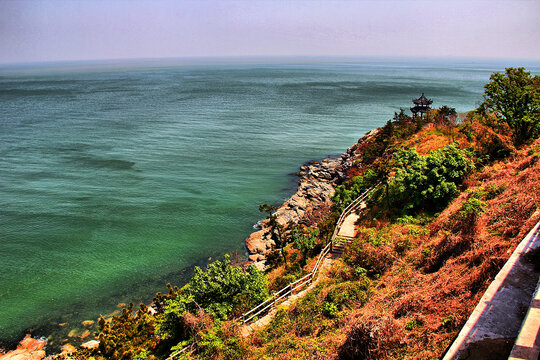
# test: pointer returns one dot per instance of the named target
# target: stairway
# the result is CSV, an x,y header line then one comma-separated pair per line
x,y
340,243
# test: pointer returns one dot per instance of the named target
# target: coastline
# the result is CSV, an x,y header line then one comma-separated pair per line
x,y
316,185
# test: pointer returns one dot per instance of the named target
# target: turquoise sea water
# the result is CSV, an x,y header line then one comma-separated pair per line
x,y
116,177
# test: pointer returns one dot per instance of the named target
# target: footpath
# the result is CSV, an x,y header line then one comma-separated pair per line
x,y
347,230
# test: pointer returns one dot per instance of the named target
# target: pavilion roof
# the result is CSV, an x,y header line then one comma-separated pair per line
x,y
422,100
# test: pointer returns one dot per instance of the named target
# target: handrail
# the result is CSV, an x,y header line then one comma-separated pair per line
x,y
306,279
351,207
274,298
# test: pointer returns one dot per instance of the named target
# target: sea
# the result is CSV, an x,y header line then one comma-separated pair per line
x,y
118,176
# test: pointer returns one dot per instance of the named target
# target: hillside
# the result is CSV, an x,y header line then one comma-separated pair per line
x,y
423,274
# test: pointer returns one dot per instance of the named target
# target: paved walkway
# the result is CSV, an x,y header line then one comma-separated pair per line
x,y
527,346
495,323
348,228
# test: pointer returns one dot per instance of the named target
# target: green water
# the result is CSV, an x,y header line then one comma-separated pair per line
x,y
118,177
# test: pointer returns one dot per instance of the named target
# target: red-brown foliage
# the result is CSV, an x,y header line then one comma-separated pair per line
x,y
446,275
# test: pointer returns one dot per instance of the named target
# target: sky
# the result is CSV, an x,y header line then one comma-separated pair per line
x,y
57,30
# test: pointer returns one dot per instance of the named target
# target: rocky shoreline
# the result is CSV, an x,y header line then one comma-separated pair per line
x,y
317,183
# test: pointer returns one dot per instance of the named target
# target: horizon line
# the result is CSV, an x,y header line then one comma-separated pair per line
x,y
268,57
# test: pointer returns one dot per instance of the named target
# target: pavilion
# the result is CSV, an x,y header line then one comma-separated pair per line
x,y
421,105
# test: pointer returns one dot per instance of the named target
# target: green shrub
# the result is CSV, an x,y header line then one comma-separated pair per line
x,y
401,246
449,321
349,191
126,335
407,219
304,240
375,259
283,280
493,191
360,272
428,182
221,287
414,324
472,208
349,291
330,309
222,340
170,323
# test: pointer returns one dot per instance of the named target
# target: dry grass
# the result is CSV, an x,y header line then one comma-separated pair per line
x,y
428,276
445,276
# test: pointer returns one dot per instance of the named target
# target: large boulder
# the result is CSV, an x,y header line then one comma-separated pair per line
x,y
68,349
28,349
92,344
256,242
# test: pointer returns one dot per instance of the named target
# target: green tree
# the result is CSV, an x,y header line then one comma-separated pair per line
x,y
304,240
127,335
170,323
349,191
514,99
221,288
430,181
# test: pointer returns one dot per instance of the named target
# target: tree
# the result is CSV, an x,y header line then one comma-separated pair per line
x,y
514,99
221,288
430,181
350,190
304,240
125,336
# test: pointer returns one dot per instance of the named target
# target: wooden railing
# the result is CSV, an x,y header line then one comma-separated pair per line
x,y
352,207
307,279
288,290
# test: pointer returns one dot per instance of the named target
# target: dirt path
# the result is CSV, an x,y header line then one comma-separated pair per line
x,y
247,329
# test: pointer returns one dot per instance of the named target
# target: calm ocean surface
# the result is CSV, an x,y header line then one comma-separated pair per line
x,y
117,177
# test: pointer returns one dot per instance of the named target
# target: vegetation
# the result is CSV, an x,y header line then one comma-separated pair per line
x,y
455,199
183,315
429,182
304,240
514,99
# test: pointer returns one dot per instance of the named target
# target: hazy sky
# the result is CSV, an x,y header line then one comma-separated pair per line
x,y
48,30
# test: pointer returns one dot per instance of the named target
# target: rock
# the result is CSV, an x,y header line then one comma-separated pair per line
x,y
28,349
259,265
255,243
87,323
152,311
121,305
68,349
92,344
315,187
30,343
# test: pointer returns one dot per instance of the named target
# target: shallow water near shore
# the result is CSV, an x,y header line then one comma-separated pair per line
x,y
117,177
